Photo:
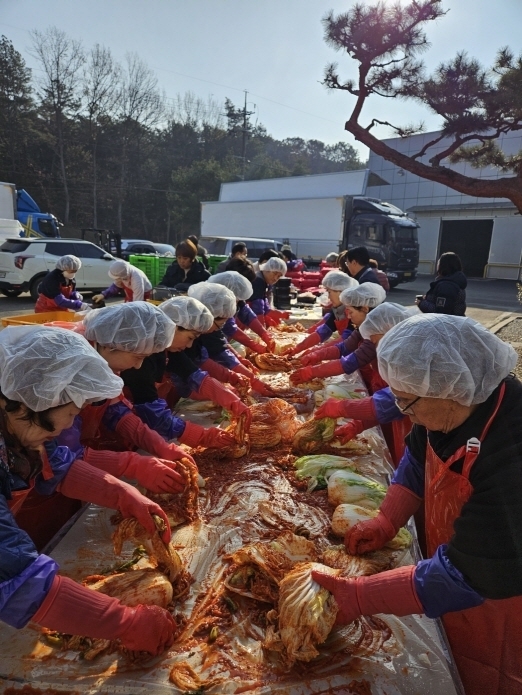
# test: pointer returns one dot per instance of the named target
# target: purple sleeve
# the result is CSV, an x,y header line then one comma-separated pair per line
x,y
230,328
324,332
23,594
349,363
410,474
60,458
385,407
227,359
111,291
441,588
346,333
185,386
114,414
246,315
158,417
351,343
65,303
260,307
71,437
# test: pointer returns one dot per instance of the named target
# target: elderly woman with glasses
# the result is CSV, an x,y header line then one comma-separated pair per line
x,y
463,463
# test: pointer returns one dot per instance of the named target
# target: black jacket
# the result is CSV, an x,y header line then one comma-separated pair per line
x,y
175,276
447,295
367,274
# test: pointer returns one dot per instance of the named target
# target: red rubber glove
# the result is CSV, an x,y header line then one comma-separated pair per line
x,y
150,472
301,375
76,610
313,328
396,508
347,432
331,352
136,432
260,387
217,393
247,368
218,371
265,336
358,409
241,337
84,482
278,315
271,322
309,342
392,593
196,435
242,375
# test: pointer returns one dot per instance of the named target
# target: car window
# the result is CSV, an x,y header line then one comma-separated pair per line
x,y
258,245
14,246
61,248
88,251
214,246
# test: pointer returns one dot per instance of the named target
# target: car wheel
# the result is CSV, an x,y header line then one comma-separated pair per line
x,y
33,287
11,293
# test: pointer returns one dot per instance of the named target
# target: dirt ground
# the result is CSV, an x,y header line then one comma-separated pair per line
x,y
512,333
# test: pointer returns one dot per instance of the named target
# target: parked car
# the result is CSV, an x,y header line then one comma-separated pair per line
x,y
222,245
136,247
164,249
24,262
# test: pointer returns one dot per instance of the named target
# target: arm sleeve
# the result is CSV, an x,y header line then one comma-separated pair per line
x,y
65,303
227,359
349,363
327,328
114,413
385,407
158,417
71,438
142,382
245,314
25,576
350,344
61,458
363,355
111,291
230,328
260,307
410,473
441,588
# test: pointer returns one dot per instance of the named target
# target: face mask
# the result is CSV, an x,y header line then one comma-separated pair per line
x,y
69,276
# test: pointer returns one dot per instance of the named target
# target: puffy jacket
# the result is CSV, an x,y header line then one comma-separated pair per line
x,y
175,276
447,295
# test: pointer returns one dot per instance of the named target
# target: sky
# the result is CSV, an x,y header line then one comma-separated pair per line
x,y
274,49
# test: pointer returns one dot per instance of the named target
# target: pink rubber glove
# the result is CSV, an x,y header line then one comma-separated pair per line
x,y
331,352
260,387
397,507
152,473
241,337
246,368
196,435
300,376
309,342
84,482
225,398
358,409
392,593
331,368
76,610
136,432
218,371
347,432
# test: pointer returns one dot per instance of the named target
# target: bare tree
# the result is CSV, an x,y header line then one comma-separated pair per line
x,y
189,109
101,81
141,107
61,58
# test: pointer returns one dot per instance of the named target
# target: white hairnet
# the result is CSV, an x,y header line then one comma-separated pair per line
x,y
119,270
236,283
133,327
338,281
220,301
382,319
275,264
44,367
368,294
443,356
69,263
189,313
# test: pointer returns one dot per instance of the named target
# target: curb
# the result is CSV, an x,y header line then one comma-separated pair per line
x,y
505,319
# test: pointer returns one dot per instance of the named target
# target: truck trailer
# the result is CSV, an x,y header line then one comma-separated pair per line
x,y
21,216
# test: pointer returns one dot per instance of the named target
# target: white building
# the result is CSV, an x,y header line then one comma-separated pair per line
x,y
485,232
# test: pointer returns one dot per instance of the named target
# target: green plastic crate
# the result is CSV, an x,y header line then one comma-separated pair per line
x,y
149,265
214,261
163,263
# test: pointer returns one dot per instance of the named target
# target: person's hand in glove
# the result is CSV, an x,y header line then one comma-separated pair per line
x,y
356,408
300,376
333,407
247,364
260,387
154,474
331,352
211,437
320,371
239,381
85,307
72,608
347,432
391,593
214,391
98,298
309,342
278,315
396,508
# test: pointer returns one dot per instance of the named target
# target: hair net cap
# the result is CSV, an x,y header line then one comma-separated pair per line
x,y
119,270
368,294
382,319
276,265
69,263
189,313
44,367
338,281
134,327
443,356
220,301
331,257
236,283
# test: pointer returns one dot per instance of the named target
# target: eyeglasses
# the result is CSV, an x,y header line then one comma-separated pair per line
x,y
407,410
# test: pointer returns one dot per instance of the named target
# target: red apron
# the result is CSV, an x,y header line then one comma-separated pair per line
x,y
129,294
44,303
486,640
94,434
395,432
341,325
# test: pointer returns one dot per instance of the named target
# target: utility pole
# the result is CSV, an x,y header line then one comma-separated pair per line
x,y
246,114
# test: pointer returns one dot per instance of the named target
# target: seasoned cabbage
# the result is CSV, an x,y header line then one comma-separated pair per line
x,y
347,486
305,614
146,586
312,434
346,516
318,467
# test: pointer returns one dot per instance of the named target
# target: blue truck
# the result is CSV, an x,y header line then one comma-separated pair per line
x,y
21,216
